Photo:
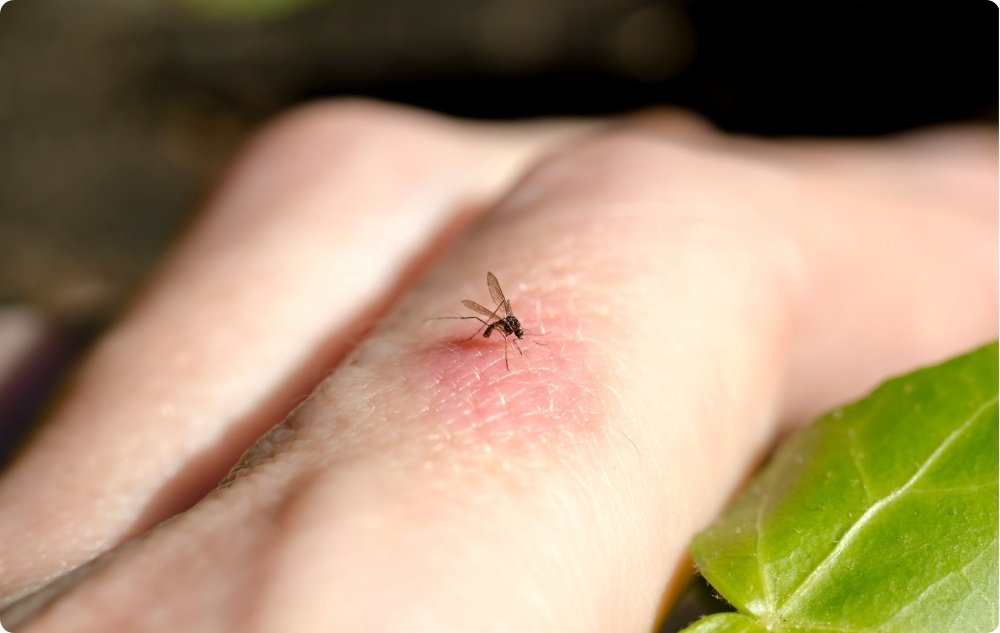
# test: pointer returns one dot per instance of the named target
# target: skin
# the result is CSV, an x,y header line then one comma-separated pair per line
x,y
701,295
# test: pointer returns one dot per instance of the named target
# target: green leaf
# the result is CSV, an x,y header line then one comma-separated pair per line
x,y
725,623
739,623
881,516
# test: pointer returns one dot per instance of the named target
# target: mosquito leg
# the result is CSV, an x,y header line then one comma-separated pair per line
x,y
485,323
474,334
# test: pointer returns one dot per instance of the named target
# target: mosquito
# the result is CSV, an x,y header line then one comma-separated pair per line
x,y
507,325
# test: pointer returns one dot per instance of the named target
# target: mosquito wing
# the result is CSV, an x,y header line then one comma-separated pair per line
x,y
475,307
496,293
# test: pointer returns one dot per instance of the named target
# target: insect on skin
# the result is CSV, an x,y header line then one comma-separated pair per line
x,y
507,325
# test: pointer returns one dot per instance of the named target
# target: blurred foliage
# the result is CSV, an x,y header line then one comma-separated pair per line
x,y
242,11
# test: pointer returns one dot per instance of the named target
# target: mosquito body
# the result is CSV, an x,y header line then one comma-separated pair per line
x,y
507,325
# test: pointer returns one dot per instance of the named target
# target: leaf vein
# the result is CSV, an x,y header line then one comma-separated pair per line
x,y
961,574
852,451
845,541
764,579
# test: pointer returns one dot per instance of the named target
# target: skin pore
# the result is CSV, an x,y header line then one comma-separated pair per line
x,y
701,295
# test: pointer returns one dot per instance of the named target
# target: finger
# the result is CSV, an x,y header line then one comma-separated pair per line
x,y
944,176
560,495
325,215
915,196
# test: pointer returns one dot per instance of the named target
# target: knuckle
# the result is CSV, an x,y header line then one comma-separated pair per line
x,y
672,204
343,123
618,163
321,150
338,138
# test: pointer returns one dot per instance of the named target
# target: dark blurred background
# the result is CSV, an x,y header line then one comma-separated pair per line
x,y
116,114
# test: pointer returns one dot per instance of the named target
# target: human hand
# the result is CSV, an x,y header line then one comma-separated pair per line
x,y
701,294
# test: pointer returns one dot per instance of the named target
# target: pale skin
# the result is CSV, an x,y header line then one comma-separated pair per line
x,y
703,294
